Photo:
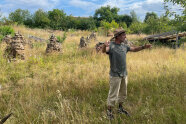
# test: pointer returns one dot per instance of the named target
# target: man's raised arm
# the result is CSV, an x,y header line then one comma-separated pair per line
x,y
105,48
139,48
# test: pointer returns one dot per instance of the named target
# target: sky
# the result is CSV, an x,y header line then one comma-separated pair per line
x,y
86,8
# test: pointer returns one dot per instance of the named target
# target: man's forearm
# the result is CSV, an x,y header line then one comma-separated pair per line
x,y
136,49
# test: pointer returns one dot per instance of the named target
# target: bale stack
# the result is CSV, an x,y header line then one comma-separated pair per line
x,y
7,39
82,43
54,45
92,36
16,48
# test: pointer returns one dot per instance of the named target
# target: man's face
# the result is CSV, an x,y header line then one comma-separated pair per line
x,y
122,37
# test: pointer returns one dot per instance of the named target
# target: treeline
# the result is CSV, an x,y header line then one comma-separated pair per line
x,y
105,18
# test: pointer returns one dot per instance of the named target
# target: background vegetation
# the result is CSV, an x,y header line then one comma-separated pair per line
x,y
103,17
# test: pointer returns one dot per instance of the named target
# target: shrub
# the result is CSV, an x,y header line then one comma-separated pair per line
x,y
137,27
62,39
5,30
1,38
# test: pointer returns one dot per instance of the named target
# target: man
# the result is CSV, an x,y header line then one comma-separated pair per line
x,y
117,51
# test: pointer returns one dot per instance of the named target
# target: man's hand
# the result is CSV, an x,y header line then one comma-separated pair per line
x,y
107,43
106,47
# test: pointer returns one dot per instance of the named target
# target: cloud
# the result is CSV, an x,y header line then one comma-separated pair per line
x,y
33,3
153,1
82,4
141,7
7,6
86,7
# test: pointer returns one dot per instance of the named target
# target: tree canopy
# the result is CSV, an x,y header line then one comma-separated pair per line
x,y
106,13
150,15
106,18
19,16
56,17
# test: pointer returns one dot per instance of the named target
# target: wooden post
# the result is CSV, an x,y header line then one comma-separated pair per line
x,y
176,40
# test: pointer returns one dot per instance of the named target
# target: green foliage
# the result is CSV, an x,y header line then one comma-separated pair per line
x,y
62,39
134,16
124,26
150,15
72,22
180,2
1,38
6,30
165,24
159,25
6,21
86,24
57,18
107,26
124,18
41,19
114,25
137,27
0,13
106,13
19,16
153,25
179,20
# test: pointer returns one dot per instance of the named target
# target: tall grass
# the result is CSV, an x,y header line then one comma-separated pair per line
x,y
72,87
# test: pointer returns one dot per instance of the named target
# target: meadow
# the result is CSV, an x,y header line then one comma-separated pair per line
x,y
72,87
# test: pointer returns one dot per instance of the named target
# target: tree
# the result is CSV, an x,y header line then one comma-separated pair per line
x,y
0,17
57,19
153,25
41,19
165,24
179,20
109,26
124,18
86,23
114,25
150,15
106,13
133,16
19,16
72,22
180,2
0,14
137,27
123,25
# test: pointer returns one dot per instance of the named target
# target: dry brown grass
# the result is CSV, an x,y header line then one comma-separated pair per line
x,y
72,87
